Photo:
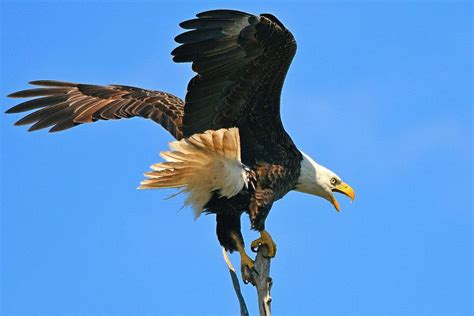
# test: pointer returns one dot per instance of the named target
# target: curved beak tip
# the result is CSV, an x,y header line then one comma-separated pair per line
x,y
352,196
345,189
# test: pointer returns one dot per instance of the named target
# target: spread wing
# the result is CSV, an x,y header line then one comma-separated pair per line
x,y
241,62
64,105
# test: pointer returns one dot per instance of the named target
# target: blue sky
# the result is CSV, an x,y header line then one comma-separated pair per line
x,y
379,91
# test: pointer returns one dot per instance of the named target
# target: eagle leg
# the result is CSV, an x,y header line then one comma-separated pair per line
x,y
267,241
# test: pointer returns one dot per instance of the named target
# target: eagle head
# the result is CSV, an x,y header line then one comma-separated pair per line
x,y
318,180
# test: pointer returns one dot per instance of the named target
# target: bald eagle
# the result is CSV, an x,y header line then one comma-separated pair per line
x,y
231,154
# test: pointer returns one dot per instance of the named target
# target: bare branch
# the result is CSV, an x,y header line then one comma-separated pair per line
x,y
263,282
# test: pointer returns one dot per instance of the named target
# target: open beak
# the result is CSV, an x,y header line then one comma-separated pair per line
x,y
345,189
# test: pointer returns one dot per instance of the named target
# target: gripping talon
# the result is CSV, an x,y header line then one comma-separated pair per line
x,y
247,268
267,241
255,248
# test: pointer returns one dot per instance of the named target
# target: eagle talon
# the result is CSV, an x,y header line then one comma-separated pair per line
x,y
247,267
267,241
255,248
248,280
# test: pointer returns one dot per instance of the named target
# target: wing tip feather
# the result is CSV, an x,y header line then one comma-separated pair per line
x,y
52,83
222,12
16,95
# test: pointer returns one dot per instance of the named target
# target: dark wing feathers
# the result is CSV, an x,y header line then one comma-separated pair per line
x,y
39,92
53,83
241,61
64,105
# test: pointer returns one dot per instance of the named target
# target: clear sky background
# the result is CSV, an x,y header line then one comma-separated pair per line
x,y
379,92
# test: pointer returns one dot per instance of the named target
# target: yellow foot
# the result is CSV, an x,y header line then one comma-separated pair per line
x,y
247,268
267,241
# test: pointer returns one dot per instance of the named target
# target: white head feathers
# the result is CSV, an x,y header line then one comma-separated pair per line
x,y
316,179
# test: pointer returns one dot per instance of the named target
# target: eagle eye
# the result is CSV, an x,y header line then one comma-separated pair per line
x,y
333,181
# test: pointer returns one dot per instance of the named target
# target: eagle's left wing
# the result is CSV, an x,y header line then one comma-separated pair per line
x,y
63,105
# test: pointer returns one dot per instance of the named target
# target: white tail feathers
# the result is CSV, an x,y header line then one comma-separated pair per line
x,y
201,164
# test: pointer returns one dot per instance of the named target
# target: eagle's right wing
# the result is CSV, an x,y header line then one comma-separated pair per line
x,y
241,61
64,105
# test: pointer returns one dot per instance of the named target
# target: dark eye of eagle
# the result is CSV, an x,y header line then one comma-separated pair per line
x,y
333,181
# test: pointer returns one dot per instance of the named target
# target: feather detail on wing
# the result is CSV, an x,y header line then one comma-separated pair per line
x,y
241,61
64,105
201,165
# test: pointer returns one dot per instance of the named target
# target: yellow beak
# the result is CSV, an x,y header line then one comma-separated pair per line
x,y
345,189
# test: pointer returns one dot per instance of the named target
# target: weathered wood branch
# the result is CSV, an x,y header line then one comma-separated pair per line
x,y
263,282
